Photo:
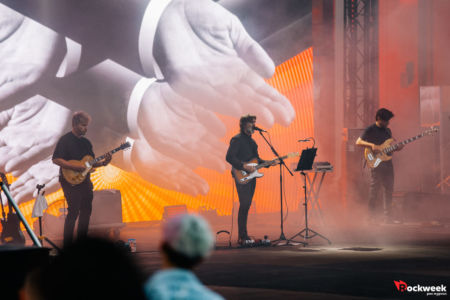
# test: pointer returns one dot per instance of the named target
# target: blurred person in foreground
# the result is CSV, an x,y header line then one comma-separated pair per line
x,y
90,268
186,241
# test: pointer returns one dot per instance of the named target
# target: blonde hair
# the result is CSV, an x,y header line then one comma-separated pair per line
x,y
80,116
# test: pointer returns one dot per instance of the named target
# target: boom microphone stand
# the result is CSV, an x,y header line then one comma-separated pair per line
x,y
281,163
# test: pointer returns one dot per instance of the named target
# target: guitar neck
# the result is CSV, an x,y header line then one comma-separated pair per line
x,y
407,141
104,155
6,183
265,164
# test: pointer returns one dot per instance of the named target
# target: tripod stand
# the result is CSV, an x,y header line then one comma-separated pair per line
x,y
305,163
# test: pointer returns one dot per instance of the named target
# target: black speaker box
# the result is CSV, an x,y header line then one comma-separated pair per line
x,y
106,215
106,208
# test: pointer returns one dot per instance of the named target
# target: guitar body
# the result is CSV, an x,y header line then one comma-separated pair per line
x,y
374,159
243,177
75,177
11,232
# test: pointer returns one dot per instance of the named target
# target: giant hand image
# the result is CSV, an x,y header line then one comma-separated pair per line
x,y
218,69
29,132
219,65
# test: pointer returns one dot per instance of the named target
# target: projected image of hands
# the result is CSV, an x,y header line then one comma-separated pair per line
x,y
209,63
206,55
30,54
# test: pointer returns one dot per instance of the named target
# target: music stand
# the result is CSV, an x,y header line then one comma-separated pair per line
x,y
305,163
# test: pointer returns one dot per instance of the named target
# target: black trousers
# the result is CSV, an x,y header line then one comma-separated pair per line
x,y
245,193
382,177
79,200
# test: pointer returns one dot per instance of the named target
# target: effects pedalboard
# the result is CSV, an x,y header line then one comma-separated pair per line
x,y
255,243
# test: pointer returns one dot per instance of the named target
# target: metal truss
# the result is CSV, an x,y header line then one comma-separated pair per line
x,y
360,62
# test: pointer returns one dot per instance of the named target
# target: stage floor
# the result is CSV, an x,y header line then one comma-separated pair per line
x,y
362,262
292,272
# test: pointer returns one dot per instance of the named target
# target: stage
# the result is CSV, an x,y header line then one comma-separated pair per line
x,y
361,263
174,85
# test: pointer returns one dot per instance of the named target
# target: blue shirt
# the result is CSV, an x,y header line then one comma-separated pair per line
x,y
177,284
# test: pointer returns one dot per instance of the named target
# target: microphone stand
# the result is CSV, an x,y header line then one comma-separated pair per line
x,y
281,163
42,237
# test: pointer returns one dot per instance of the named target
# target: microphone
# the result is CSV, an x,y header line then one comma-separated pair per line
x,y
304,140
259,129
39,186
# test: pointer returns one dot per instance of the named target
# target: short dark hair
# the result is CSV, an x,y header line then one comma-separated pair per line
x,y
384,114
246,119
80,116
179,259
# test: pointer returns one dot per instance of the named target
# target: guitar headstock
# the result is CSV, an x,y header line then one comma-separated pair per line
x,y
293,154
124,146
432,130
4,179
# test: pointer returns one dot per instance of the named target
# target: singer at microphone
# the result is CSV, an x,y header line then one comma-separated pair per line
x,y
259,129
241,151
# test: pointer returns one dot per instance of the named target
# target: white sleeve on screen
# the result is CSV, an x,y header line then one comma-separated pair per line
x,y
147,32
127,156
133,105
71,60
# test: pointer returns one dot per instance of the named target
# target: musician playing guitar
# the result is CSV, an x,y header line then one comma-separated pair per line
x,y
243,149
383,175
72,147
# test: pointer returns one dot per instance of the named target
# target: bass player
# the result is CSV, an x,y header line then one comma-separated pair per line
x,y
383,175
74,146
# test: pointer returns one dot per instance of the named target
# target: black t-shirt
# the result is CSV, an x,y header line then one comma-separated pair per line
x,y
376,135
71,147
242,149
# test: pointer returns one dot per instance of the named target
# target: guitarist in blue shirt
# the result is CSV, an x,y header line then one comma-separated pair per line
x,y
243,149
74,146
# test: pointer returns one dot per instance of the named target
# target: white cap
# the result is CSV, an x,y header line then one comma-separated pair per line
x,y
189,235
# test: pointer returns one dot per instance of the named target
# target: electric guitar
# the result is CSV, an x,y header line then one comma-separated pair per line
x,y
374,159
11,232
243,177
75,177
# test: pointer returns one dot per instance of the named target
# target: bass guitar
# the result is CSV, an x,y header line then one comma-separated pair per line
x,y
11,232
373,159
243,177
75,177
